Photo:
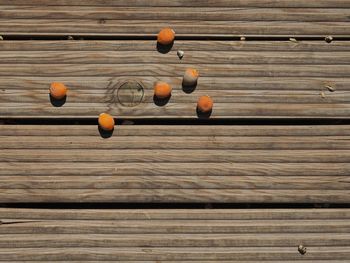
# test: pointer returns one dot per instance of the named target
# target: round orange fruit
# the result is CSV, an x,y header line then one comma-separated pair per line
x,y
106,121
166,36
190,77
58,90
162,90
205,104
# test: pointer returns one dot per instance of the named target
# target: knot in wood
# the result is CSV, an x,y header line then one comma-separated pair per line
x,y
130,93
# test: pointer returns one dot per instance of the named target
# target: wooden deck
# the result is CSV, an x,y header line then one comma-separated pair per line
x,y
175,235
246,79
231,164
188,18
277,139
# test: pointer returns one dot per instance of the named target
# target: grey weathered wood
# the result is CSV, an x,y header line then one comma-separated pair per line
x,y
175,70
175,254
174,195
177,110
171,226
188,45
245,79
175,164
209,235
188,18
180,130
195,57
191,3
183,28
276,215
175,13
183,240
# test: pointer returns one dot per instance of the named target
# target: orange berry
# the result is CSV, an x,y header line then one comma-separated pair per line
x,y
166,36
162,90
205,104
106,121
58,90
190,77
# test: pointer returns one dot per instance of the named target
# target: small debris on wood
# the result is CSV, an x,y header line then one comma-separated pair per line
x,y
293,40
328,39
330,88
70,38
242,38
1,38
180,54
302,249
323,95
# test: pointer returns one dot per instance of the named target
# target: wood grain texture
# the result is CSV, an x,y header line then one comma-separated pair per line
x,y
173,254
150,28
259,164
186,45
188,3
175,13
245,79
174,235
141,18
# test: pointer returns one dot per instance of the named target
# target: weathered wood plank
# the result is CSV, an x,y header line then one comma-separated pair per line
x,y
141,18
187,45
174,195
175,13
97,83
197,57
175,70
174,235
180,130
187,3
176,155
85,96
86,27
245,79
171,226
147,164
171,142
182,261
160,253
177,110
173,169
173,240
276,215
176,182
